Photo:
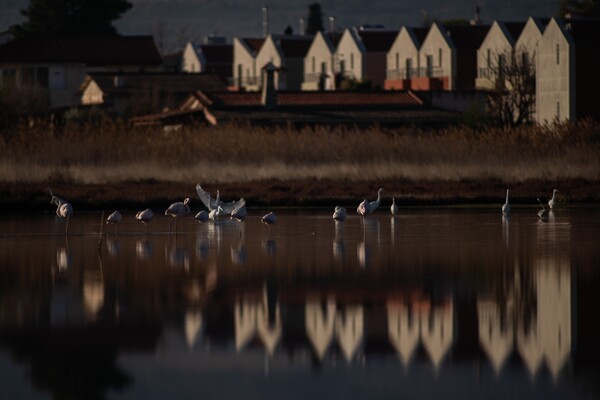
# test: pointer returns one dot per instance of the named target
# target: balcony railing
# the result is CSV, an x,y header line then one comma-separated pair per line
x,y
431,72
314,77
245,81
402,73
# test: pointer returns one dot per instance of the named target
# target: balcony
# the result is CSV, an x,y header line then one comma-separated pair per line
x,y
246,82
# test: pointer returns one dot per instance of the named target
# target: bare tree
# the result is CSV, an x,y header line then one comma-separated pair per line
x,y
512,100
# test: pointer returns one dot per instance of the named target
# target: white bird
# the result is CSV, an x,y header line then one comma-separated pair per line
x,y
339,214
239,214
145,217
543,214
63,209
367,207
506,206
269,219
114,218
177,210
212,203
202,216
552,201
364,207
214,214
394,207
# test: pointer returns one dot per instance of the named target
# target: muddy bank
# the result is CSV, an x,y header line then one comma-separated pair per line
x,y
21,197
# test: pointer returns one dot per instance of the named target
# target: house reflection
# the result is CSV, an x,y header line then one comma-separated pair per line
x,y
418,320
533,309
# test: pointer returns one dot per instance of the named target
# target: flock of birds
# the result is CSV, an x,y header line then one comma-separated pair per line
x,y
237,210
543,214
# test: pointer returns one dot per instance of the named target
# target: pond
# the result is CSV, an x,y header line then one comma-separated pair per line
x,y
458,303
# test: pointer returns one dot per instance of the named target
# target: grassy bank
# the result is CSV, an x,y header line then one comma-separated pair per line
x,y
114,152
111,164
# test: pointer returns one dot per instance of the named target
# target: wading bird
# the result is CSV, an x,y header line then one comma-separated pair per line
x,y
394,207
213,203
177,210
145,217
506,206
114,218
269,219
239,214
63,209
543,214
552,201
367,207
202,216
339,214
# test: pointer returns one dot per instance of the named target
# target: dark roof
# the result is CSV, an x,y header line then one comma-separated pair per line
x,y
294,47
514,29
467,36
161,81
93,51
172,62
253,44
333,38
377,40
583,30
218,53
340,98
420,34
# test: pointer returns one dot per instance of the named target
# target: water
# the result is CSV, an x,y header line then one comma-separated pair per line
x,y
433,303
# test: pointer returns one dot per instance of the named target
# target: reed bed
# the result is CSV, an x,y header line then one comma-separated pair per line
x,y
110,152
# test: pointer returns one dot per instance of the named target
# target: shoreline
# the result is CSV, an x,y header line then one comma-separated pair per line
x,y
25,197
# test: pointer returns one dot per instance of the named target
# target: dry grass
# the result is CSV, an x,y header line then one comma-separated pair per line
x,y
115,152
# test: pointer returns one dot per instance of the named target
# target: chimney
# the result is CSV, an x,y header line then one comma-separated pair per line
x,y
332,24
301,26
269,93
265,22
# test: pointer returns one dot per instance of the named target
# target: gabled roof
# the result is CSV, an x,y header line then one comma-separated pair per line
x,y
253,44
377,40
294,46
161,81
92,51
466,36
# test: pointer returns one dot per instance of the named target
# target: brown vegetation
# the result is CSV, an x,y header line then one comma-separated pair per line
x,y
287,166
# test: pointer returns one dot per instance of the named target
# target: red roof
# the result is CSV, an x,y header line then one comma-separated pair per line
x,y
110,50
319,98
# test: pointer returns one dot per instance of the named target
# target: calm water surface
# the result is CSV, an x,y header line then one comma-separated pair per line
x,y
429,304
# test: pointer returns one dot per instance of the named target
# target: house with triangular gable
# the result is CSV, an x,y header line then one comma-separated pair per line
x,y
403,58
212,58
319,70
496,48
362,53
287,53
567,81
448,57
246,75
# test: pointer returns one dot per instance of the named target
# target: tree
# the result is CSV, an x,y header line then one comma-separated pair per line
x,y
70,17
315,19
512,100
579,8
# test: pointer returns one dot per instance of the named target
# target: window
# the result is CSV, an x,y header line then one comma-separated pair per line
x,y
41,77
525,59
429,65
440,58
313,64
323,68
557,54
408,68
558,110
352,61
397,61
489,58
27,76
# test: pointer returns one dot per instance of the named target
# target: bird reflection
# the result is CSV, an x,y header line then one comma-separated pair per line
x,y
505,230
363,254
63,260
238,254
193,326
269,246
144,249
93,292
202,247
339,249
177,257
113,246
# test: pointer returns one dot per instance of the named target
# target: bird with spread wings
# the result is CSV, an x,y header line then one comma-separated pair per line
x,y
213,203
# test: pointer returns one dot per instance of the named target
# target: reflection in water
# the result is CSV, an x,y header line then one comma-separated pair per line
x,y
113,246
412,303
144,249
258,316
541,326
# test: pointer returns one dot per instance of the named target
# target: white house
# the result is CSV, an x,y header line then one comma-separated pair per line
x,y
567,70
362,53
448,57
214,58
287,53
319,70
245,73
498,44
403,57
